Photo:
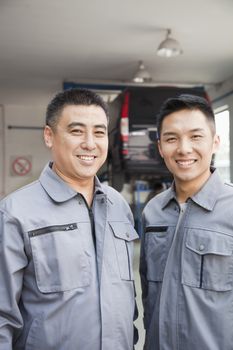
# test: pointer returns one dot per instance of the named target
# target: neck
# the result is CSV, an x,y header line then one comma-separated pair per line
x,y
87,194
183,194
82,186
185,190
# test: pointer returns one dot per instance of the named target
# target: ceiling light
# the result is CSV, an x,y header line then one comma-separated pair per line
x,y
141,75
169,47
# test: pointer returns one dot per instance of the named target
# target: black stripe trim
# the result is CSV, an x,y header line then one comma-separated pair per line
x,y
49,229
156,228
201,272
127,249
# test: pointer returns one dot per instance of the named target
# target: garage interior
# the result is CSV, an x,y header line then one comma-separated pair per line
x,y
104,45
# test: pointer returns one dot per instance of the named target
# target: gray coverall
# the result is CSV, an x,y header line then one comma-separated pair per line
x,y
60,289
187,270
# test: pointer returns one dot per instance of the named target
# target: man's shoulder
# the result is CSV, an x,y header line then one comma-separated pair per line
x,y
158,198
111,192
227,191
114,196
20,196
119,208
156,203
229,185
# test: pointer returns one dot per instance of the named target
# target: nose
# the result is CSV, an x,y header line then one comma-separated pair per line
x,y
184,146
89,141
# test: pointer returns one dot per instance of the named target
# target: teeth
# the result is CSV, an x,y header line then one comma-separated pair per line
x,y
185,162
86,157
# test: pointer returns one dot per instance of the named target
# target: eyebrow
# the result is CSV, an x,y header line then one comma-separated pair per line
x,y
167,133
74,124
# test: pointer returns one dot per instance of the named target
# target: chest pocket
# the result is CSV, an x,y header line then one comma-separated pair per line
x,y
207,260
124,235
60,261
157,245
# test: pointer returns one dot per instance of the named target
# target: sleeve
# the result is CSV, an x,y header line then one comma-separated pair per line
x,y
12,263
143,271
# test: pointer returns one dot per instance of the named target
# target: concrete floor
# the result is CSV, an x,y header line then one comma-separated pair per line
x,y
138,322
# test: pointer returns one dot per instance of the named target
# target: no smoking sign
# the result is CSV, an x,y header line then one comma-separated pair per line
x,y
21,165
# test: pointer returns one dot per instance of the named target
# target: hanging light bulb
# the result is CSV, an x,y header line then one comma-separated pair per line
x,y
141,75
169,47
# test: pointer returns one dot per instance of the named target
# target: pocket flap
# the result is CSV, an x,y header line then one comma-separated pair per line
x,y
209,242
123,230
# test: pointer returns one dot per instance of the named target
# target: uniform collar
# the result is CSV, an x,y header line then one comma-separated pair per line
x,y
209,193
57,188
169,195
206,197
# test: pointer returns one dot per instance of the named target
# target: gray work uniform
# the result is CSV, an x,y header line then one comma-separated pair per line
x,y
59,288
187,270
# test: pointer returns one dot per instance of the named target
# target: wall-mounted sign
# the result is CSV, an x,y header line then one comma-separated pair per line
x,y
21,165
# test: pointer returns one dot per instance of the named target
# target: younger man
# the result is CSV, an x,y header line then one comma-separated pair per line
x,y
186,257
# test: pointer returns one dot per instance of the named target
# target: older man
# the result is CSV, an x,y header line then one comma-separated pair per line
x,y
66,243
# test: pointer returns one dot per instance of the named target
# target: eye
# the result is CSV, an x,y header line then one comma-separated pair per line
x,y
171,139
100,133
196,137
76,132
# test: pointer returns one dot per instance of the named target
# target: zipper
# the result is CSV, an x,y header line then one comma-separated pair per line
x,y
92,220
91,215
49,229
156,228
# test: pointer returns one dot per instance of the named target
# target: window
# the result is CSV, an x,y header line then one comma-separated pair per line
x,y
222,157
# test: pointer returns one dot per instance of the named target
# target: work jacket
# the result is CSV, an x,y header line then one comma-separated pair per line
x,y
187,270
66,272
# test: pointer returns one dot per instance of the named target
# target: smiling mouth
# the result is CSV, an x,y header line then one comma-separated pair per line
x,y
186,163
87,158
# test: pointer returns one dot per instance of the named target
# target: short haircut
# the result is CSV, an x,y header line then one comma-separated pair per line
x,y
77,97
185,102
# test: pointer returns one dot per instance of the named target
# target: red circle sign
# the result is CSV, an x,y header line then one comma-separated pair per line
x,y
21,166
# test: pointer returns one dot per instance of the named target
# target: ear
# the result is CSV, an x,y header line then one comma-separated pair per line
x,y
159,147
48,136
216,143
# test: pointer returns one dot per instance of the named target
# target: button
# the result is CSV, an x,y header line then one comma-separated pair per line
x,y
127,234
201,247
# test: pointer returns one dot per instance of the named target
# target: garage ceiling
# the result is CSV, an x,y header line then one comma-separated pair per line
x,y
102,40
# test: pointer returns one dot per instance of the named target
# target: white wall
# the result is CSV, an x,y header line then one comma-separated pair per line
x,y
23,147
28,92
23,105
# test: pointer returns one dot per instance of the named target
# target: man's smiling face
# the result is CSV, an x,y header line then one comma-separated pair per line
x,y
79,142
187,143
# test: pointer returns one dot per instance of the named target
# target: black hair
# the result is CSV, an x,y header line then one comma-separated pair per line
x,y
182,102
69,97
